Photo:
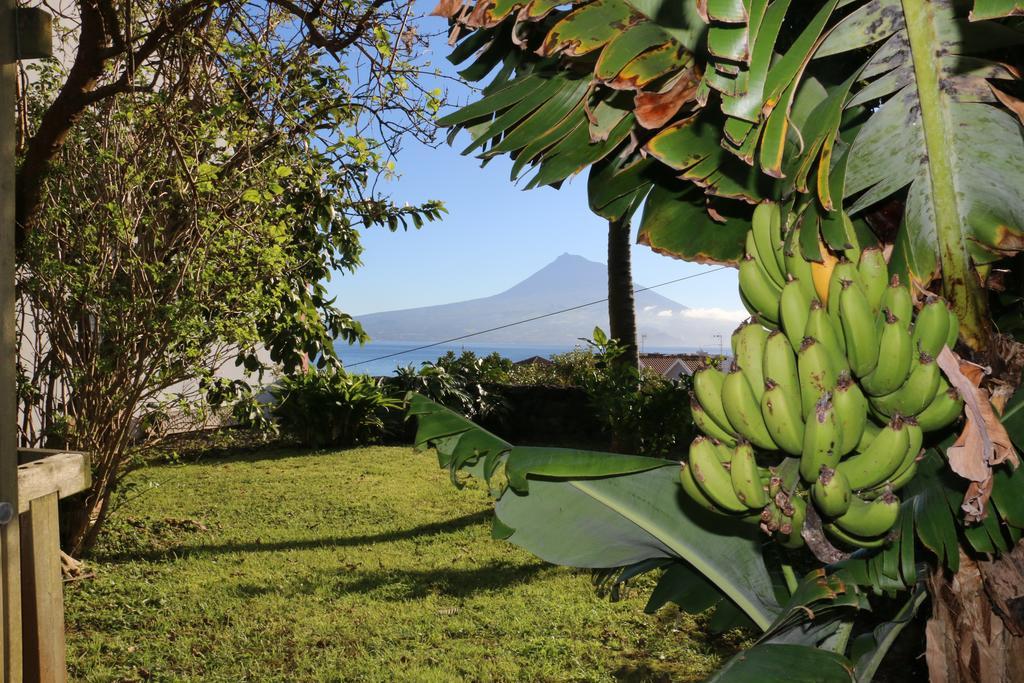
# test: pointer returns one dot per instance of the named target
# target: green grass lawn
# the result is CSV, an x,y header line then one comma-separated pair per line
x,y
361,565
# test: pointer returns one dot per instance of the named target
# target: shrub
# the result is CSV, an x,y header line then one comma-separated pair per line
x,y
458,382
644,412
330,407
566,370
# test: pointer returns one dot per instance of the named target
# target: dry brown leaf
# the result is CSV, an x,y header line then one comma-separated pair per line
x,y
984,443
446,8
654,110
975,505
964,454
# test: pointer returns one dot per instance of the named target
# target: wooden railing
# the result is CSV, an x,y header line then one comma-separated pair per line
x,y
44,477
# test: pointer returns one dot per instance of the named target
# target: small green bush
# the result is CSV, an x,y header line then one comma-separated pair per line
x,y
457,382
329,407
565,370
645,413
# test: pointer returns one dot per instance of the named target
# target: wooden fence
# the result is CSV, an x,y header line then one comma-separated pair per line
x,y
31,591
44,477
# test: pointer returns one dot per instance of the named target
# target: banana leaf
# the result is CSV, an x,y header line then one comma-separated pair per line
x,y
601,510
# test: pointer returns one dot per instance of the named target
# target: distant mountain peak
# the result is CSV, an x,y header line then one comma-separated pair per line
x,y
567,283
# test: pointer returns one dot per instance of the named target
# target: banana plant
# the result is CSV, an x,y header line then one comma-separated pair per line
x,y
895,123
627,515
715,106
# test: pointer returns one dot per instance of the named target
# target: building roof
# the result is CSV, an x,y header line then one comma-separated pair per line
x,y
534,360
662,364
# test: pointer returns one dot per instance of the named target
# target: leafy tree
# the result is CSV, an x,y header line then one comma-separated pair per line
x,y
183,206
888,122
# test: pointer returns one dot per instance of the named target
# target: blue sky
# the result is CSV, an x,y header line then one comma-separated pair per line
x,y
494,235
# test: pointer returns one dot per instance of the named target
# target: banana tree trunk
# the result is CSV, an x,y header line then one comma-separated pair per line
x,y
976,632
621,306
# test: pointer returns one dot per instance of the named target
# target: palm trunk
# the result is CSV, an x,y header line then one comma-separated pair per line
x,y
621,306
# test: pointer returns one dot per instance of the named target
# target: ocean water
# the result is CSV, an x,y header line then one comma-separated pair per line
x,y
381,358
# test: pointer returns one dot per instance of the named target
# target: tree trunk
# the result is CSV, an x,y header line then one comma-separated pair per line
x,y
976,631
85,519
621,306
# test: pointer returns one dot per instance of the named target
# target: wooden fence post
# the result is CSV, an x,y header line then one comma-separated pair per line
x,y
10,559
43,593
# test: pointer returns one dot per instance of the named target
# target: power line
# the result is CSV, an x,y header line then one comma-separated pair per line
x,y
528,320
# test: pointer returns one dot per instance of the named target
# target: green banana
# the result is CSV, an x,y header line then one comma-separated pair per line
x,y
707,387
691,489
758,289
894,358
746,480
853,250
843,272
867,519
817,373
907,468
779,364
874,276
762,261
711,477
898,301
831,492
763,225
880,460
722,452
744,411
799,268
782,417
820,326
790,531
777,240
771,517
855,541
943,411
916,393
904,476
780,403
794,307
931,327
821,440
707,425
871,430
851,412
859,328
748,343
954,327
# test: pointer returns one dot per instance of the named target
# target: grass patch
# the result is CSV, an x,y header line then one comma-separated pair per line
x,y
361,565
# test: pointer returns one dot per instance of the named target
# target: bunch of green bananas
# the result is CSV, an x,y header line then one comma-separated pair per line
x,y
830,405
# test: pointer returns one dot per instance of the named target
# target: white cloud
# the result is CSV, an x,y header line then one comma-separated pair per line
x,y
667,313
715,314
649,308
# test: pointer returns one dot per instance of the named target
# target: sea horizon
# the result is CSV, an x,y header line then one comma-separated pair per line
x,y
383,357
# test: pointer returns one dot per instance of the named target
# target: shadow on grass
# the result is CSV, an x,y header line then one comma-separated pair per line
x,y
396,585
454,582
199,551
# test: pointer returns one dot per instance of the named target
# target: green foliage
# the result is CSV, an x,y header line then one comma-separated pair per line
x,y
567,369
193,210
458,382
644,412
329,407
